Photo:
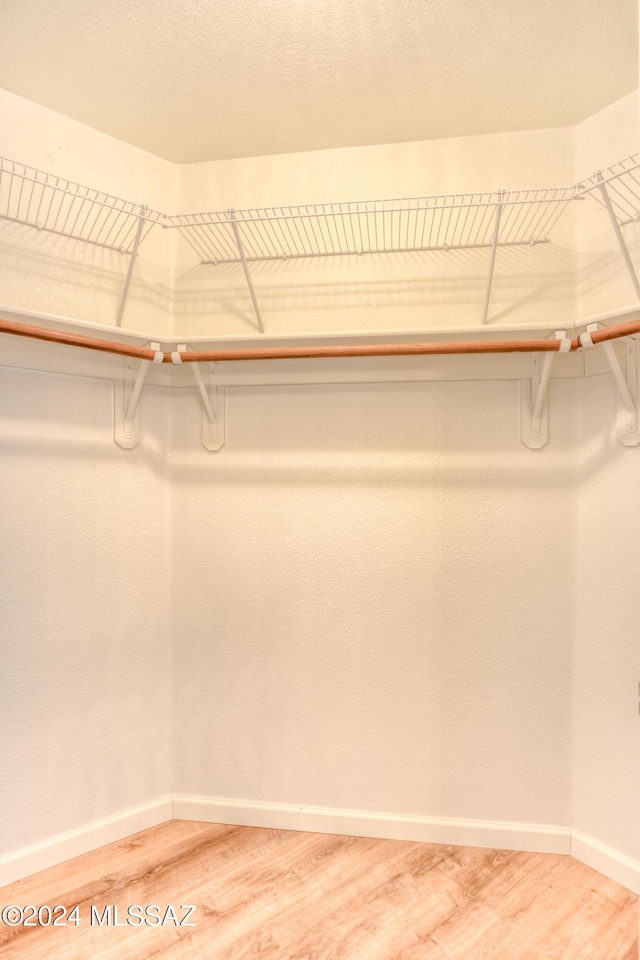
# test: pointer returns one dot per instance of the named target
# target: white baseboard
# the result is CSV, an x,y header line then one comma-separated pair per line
x,y
22,863
606,860
358,823
537,838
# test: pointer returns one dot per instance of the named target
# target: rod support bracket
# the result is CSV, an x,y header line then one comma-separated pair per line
x,y
626,382
534,417
214,405
127,393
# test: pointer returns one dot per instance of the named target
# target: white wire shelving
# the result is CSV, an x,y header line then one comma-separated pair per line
x,y
50,202
621,181
348,228
46,201
617,189
357,227
408,224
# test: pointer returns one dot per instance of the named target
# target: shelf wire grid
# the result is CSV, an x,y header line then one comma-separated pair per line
x,y
412,224
48,202
622,183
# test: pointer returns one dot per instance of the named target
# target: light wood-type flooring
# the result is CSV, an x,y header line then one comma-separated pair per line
x,y
282,895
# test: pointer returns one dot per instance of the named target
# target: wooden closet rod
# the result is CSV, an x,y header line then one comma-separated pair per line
x,y
289,353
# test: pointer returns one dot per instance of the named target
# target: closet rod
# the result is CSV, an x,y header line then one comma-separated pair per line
x,y
291,353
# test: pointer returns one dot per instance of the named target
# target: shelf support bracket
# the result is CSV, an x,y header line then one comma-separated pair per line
x,y
492,261
213,400
533,396
626,390
127,402
132,262
214,407
245,266
606,199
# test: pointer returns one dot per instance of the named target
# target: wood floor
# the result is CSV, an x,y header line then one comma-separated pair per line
x,y
282,895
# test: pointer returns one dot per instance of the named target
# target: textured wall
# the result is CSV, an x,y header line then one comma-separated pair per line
x,y
378,599
371,602
606,657
85,707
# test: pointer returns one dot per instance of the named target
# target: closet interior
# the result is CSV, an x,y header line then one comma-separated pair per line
x,y
320,514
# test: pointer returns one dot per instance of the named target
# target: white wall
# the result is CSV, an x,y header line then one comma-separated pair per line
x,y
369,606
307,670
371,602
606,658
85,701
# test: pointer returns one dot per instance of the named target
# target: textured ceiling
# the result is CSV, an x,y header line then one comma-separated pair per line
x,y
211,79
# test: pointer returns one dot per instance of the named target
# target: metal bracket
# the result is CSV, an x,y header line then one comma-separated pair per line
x,y
245,265
534,417
618,232
492,261
126,429
626,390
214,430
132,263
214,407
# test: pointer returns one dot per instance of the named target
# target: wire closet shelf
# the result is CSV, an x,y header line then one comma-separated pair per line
x,y
49,202
620,183
459,221
356,227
